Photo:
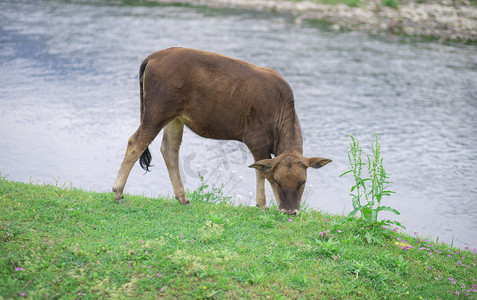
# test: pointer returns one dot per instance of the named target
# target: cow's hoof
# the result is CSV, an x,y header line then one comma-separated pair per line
x,y
120,200
264,207
183,201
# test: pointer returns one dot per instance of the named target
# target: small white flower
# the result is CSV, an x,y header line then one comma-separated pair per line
x,y
198,166
241,178
234,172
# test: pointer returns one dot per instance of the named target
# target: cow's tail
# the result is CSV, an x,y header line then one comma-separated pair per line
x,y
146,157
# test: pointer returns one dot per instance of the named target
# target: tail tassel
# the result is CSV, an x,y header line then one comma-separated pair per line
x,y
145,160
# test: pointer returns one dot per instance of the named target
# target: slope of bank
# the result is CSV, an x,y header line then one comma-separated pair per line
x,y
442,19
68,243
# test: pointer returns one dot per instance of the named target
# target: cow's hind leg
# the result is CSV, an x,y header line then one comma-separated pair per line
x,y
137,144
171,143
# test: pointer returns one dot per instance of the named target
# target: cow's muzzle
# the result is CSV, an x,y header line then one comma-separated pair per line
x,y
290,211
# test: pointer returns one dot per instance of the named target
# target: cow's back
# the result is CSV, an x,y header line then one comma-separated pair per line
x,y
215,95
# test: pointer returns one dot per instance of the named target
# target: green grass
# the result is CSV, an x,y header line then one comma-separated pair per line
x,y
68,243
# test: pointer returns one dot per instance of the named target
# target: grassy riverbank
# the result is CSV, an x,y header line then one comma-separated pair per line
x,y
67,243
445,20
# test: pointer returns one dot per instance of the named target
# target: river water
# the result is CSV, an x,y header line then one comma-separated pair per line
x,y
69,101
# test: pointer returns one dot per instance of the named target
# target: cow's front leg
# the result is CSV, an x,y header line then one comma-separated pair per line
x,y
260,197
171,143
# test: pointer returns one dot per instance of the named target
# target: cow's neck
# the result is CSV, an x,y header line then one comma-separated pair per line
x,y
288,137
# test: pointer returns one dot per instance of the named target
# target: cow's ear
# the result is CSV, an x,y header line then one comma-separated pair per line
x,y
262,165
318,162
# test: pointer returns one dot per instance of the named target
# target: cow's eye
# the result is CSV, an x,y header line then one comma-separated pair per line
x,y
302,183
278,183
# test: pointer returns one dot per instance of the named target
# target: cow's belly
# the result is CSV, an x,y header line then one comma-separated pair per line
x,y
213,129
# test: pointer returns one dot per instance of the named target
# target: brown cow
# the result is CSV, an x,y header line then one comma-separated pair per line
x,y
221,98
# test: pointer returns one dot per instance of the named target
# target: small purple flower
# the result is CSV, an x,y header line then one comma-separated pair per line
x,y
452,280
339,230
448,255
290,220
430,253
181,237
18,269
429,268
22,294
326,221
159,274
457,293
324,234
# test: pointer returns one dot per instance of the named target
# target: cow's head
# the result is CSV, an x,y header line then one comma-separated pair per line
x,y
287,176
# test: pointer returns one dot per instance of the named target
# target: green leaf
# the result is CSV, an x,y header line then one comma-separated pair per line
x,y
355,201
387,208
366,213
342,221
395,223
360,181
369,237
354,212
346,173
374,216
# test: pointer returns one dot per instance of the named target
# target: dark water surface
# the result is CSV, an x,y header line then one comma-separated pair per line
x,y
69,101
